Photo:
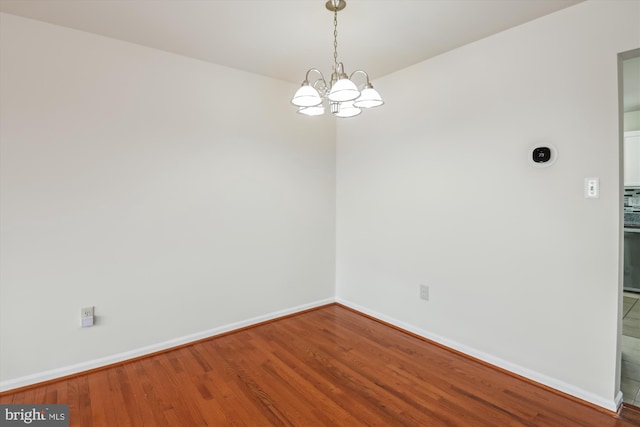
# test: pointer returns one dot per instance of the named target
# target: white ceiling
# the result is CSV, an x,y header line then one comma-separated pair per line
x,y
283,38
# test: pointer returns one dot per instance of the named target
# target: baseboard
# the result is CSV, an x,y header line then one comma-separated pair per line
x,y
66,371
553,383
619,401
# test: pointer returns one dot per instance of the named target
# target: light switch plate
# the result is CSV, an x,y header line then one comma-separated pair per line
x,y
591,188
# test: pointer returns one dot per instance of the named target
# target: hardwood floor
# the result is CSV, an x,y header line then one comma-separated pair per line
x,y
326,367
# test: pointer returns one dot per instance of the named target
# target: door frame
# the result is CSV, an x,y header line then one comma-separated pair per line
x,y
623,56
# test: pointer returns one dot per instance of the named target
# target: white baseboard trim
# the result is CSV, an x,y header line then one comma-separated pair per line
x,y
143,351
611,405
619,401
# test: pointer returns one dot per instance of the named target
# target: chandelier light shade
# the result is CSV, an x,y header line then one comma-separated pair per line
x,y
343,90
369,98
306,96
343,97
314,110
347,109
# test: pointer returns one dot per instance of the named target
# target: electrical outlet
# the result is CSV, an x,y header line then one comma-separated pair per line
x,y
86,317
424,292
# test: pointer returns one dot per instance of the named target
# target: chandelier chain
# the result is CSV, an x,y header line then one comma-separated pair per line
x,y
335,39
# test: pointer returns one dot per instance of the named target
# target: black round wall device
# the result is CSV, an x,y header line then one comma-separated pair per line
x,y
543,155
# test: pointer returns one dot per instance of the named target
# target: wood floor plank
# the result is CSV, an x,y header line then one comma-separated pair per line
x,y
326,367
101,408
143,392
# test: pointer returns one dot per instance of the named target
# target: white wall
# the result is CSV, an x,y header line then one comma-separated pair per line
x,y
178,197
522,269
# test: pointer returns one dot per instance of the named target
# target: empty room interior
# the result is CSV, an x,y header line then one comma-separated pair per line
x,y
176,174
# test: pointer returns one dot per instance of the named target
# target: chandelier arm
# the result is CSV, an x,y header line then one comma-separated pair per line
x,y
339,71
365,75
306,77
321,86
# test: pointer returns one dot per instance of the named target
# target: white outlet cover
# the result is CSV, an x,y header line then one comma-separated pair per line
x,y
86,317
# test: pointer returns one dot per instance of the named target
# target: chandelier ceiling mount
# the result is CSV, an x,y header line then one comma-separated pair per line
x,y
336,6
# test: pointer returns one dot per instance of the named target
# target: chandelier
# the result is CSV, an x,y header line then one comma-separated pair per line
x,y
341,95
